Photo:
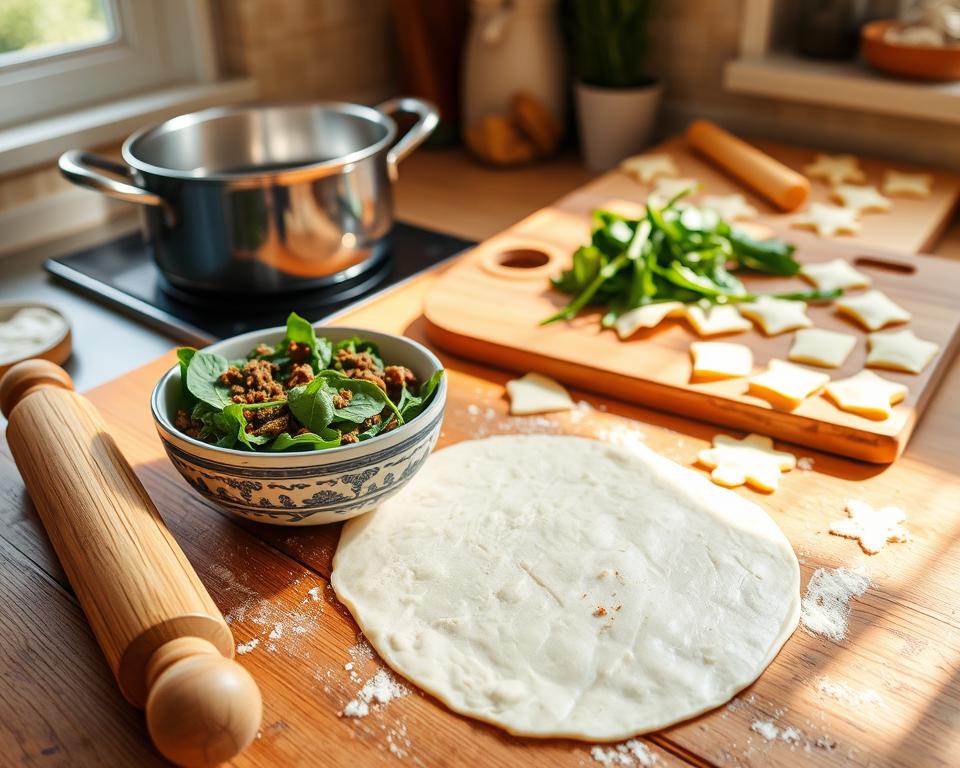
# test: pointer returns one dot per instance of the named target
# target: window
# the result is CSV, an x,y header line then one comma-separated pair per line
x,y
61,55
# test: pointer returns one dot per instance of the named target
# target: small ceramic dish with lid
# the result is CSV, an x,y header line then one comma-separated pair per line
x,y
305,487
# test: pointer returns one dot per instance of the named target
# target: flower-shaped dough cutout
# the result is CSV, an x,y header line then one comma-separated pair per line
x,y
716,319
752,461
866,394
873,528
835,169
647,316
646,168
900,184
720,360
833,274
786,385
729,207
828,220
861,199
817,346
900,351
776,316
873,310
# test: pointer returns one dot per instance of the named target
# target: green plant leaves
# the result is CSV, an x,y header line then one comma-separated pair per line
x,y
233,425
203,373
308,441
312,404
301,332
367,399
411,405
355,345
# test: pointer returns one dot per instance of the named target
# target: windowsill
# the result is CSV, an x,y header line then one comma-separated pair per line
x,y
848,85
42,141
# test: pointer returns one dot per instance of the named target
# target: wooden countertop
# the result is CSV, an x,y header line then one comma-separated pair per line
x,y
887,695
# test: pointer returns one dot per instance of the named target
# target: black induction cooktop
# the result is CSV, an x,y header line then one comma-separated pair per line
x,y
122,273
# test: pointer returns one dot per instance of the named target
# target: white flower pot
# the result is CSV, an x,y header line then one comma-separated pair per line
x,y
615,122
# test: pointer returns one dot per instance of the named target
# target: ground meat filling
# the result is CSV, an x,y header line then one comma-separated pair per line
x,y
270,421
362,365
300,374
397,377
298,353
254,383
342,398
188,426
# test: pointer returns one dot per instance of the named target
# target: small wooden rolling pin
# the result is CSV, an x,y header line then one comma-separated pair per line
x,y
782,186
165,640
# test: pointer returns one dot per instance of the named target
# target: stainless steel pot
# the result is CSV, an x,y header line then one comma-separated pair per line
x,y
262,199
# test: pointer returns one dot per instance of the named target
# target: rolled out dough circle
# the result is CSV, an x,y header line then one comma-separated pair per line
x,y
560,586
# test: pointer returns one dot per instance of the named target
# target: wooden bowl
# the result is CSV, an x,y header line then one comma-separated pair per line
x,y
921,62
56,352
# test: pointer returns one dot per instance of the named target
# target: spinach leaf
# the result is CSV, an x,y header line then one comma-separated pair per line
x,y
772,256
232,425
367,399
411,405
308,441
203,379
185,355
301,332
312,404
355,345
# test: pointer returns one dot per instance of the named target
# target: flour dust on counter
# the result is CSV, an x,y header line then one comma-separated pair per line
x,y
517,580
825,608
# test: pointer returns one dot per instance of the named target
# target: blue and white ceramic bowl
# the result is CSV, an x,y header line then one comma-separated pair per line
x,y
308,487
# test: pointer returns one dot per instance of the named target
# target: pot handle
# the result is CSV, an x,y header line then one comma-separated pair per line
x,y
79,167
427,119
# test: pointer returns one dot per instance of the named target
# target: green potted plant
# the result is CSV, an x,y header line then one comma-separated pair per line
x,y
617,99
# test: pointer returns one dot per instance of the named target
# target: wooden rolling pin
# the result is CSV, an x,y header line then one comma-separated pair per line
x,y
166,642
782,186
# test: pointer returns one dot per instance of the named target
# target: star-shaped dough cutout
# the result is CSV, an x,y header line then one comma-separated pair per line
x,y
873,310
828,220
836,273
729,207
720,360
647,316
818,346
873,528
646,168
776,316
866,394
534,393
899,184
786,385
900,351
752,461
716,319
861,199
835,169
666,189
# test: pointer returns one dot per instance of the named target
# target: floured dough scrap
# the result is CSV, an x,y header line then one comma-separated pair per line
x,y
837,273
866,394
720,360
716,319
835,169
647,316
729,207
873,528
900,184
786,385
900,351
482,581
776,316
646,168
873,310
828,220
752,461
861,199
817,346
535,393
666,189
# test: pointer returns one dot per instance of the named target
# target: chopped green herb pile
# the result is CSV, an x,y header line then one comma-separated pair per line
x,y
303,394
671,254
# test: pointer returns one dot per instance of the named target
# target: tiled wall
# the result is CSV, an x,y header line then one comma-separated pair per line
x,y
329,49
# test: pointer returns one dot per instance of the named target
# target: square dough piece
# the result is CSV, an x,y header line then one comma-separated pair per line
x,y
900,351
720,360
717,319
873,310
776,316
866,394
837,273
817,346
785,384
534,393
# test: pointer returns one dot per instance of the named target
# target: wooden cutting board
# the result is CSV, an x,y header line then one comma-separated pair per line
x,y
489,304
